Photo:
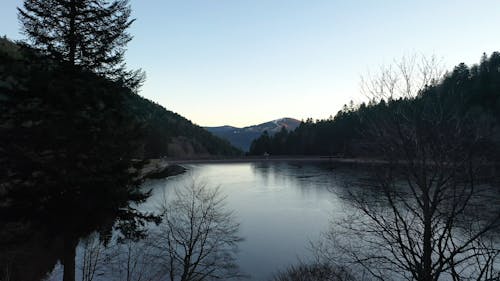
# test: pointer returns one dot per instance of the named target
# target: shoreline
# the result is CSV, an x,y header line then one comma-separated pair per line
x,y
254,159
166,167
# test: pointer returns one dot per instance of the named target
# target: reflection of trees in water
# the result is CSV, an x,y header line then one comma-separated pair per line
x,y
309,176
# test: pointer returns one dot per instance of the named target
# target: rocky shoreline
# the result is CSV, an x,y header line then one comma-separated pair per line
x,y
159,168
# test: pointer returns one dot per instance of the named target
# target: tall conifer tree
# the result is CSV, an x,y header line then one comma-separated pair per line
x,y
91,34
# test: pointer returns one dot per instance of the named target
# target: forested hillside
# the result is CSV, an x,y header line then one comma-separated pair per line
x,y
167,133
469,94
160,132
66,132
243,137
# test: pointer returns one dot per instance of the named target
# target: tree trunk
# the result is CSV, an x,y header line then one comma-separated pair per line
x,y
426,274
69,257
72,34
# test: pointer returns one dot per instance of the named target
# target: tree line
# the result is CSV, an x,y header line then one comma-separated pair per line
x,y
474,91
425,211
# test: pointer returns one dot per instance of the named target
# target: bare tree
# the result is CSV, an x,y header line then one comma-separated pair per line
x,y
403,79
92,257
135,261
124,260
198,238
423,217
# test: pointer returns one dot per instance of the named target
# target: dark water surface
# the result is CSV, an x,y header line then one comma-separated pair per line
x,y
281,207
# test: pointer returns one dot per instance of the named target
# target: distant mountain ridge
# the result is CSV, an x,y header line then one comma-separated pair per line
x,y
243,137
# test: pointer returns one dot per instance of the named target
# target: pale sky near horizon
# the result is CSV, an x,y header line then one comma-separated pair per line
x,y
244,62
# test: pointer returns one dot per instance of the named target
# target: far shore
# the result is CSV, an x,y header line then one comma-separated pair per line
x,y
166,167
289,158
251,159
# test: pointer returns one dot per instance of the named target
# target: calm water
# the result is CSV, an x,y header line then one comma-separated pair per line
x,y
281,207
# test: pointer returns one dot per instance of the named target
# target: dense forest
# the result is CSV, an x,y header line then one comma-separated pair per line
x,y
68,140
471,93
166,133
162,132
52,121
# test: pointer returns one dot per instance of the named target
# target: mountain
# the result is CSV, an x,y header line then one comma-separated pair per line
x,y
243,137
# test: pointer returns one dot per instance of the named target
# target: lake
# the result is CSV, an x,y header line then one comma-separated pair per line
x,y
281,207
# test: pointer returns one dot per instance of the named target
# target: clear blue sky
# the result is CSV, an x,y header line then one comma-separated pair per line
x,y
242,62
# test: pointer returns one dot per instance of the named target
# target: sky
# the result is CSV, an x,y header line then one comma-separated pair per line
x,y
244,62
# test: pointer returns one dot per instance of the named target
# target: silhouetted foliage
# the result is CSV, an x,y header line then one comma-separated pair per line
x,y
425,219
168,134
50,135
199,238
91,34
473,91
66,143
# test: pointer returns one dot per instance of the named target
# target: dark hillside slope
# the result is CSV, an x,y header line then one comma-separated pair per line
x,y
160,132
65,136
169,134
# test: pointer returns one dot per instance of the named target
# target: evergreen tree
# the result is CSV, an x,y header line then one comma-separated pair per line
x,y
91,34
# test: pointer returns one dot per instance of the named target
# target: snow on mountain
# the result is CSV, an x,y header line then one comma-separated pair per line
x,y
243,137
